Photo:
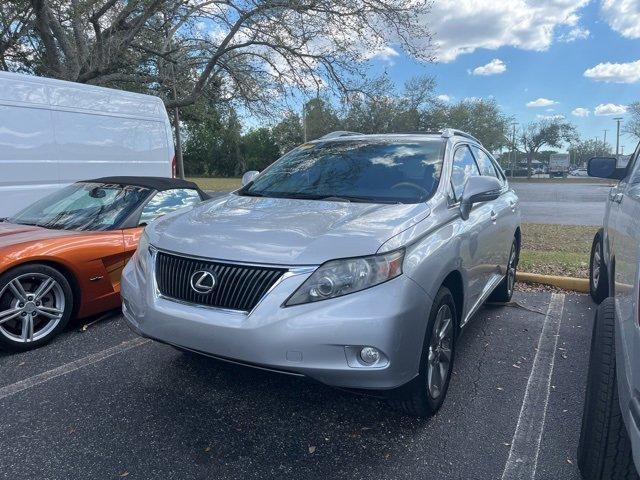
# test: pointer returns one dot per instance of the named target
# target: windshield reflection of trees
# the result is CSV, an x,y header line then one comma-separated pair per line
x,y
356,168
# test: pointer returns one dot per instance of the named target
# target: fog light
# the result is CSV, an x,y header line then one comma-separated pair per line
x,y
369,355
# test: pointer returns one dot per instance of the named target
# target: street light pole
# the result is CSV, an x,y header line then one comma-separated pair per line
x,y
618,120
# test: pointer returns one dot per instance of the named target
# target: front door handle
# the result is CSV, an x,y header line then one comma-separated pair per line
x,y
494,216
618,197
513,204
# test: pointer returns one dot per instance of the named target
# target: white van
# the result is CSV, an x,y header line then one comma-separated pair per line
x,y
53,133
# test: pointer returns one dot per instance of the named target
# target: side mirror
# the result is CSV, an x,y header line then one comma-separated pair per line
x,y
605,167
249,176
476,190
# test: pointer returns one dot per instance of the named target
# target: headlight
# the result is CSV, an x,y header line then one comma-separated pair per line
x,y
341,277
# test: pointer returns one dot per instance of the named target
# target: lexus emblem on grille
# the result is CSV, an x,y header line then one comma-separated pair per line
x,y
203,281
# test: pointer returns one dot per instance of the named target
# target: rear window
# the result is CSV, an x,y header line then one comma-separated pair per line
x,y
355,170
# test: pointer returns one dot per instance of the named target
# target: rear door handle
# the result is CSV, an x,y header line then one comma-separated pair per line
x,y
513,204
618,197
494,216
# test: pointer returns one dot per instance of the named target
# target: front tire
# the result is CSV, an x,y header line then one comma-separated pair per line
x,y
604,451
426,394
504,291
598,277
36,303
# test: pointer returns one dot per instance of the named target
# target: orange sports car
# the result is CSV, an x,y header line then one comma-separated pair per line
x,y
63,255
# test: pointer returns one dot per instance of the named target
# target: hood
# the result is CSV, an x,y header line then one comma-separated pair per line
x,y
282,231
14,234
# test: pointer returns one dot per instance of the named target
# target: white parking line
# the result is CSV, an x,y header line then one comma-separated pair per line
x,y
525,446
70,367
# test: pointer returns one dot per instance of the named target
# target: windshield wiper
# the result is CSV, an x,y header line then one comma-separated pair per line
x,y
252,194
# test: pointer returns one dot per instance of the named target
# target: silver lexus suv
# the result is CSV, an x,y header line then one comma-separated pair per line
x,y
610,440
355,260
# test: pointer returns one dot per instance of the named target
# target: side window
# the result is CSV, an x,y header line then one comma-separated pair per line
x,y
484,163
464,166
168,201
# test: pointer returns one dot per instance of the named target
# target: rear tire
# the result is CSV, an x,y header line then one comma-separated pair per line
x,y
604,451
36,303
425,395
598,275
504,291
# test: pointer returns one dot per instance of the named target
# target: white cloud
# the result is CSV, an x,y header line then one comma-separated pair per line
x,y
610,109
576,33
541,102
615,72
494,67
550,117
462,26
623,16
580,112
444,98
385,53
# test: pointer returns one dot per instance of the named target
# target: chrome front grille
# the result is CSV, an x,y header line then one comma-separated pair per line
x,y
237,287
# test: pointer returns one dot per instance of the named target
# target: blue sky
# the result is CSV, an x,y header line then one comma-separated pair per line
x,y
535,50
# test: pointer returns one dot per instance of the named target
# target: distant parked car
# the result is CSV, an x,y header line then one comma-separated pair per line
x,y
610,438
54,133
64,254
355,260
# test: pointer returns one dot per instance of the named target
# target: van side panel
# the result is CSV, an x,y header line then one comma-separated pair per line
x,y
53,133
117,146
28,157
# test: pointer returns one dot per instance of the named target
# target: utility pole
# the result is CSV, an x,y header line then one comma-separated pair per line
x,y
604,145
513,148
618,120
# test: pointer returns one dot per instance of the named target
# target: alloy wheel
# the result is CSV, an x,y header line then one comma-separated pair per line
x,y
31,307
440,350
511,269
595,267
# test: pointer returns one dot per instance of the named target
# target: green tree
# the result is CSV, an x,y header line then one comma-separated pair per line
x,y
213,145
320,118
259,149
288,133
481,118
582,150
546,132
632,126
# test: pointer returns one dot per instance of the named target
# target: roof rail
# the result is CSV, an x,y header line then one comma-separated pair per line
x,y
450,132
338,133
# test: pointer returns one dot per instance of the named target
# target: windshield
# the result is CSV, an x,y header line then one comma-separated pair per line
x,y
376,171
83,206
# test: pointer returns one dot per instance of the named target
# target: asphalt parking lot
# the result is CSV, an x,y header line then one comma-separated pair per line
x,y
104,403
562,203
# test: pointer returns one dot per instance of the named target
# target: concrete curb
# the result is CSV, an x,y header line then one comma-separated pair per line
x,y
567,283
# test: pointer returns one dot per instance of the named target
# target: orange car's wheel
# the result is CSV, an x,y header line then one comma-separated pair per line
x,y
36,302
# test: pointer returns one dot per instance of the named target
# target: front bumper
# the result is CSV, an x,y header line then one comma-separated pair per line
x,y
319,340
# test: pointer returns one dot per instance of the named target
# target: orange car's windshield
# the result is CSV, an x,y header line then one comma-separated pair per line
x,y
83,206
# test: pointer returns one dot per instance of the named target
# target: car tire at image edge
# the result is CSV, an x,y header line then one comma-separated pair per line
x,y
604,451
598,275
417,399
